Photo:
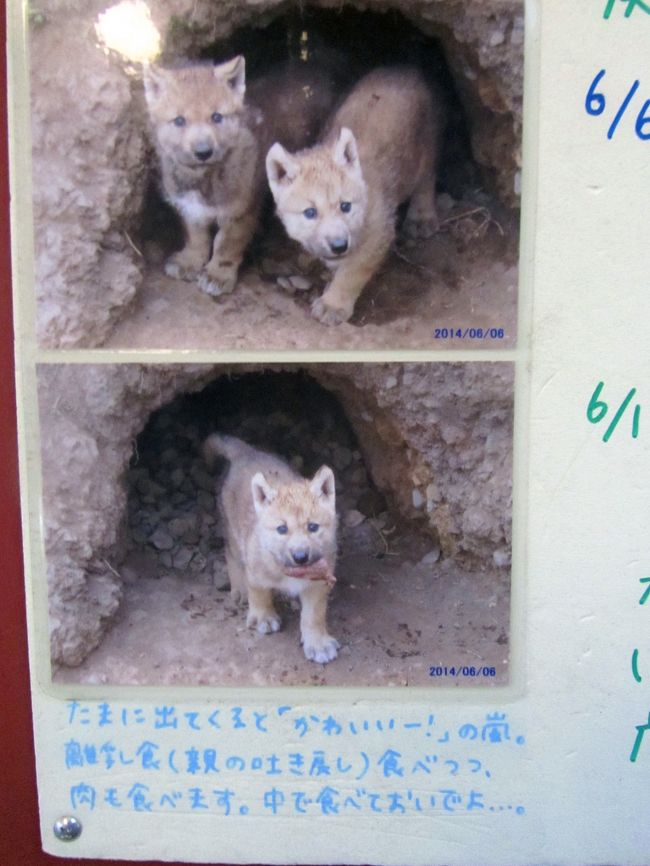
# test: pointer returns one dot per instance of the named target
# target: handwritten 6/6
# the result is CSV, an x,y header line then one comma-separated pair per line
x,y
596,104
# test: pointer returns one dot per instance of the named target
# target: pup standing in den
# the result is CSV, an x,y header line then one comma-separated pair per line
x,y
280,535
211,147
339,198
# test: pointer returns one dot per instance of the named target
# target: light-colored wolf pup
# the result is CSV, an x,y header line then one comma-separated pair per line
x,y
280,535
339,199
211,145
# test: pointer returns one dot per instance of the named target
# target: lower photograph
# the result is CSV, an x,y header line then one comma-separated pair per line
x,y
325,524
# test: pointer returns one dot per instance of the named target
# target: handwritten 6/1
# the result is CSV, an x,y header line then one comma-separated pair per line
x,y
597,409
596,104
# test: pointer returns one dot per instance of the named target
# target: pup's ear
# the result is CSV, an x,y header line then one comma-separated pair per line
x,y
322,485
155,80
233,72
263,493
345,151
281,167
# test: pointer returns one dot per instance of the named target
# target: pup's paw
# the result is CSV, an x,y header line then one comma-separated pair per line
x,y
330,315
420,227
218,281
181,267
321,648
265,621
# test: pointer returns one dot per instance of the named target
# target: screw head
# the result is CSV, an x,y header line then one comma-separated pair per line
x,y
68,828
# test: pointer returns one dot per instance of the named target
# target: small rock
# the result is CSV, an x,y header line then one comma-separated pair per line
x,y
353,518
192,536
161,539
220,576
497,37
417,498
501,558
431,557
179,526
517,33
285,284
199,562
391,382
177,476
432,494
445,202
301,284
166,559
183,558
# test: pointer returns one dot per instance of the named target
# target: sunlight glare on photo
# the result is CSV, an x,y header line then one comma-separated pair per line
x,y
128,29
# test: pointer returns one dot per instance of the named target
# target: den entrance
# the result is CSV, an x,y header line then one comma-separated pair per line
x,y
397,608
465,276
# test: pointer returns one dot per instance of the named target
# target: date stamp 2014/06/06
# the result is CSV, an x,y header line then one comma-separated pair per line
x,y
469,333
462,671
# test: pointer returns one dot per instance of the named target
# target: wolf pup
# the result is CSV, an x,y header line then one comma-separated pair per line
x,y
339,198
211,147
280,535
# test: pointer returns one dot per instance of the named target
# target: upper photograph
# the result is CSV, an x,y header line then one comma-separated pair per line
x,y
256,174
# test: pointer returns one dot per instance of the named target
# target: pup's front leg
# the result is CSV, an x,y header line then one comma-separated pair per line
x,y
421,220
261,613
188,263
220,274
236,575
318,645
336,304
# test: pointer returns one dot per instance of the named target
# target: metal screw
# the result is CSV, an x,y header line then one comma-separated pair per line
x,y
68,828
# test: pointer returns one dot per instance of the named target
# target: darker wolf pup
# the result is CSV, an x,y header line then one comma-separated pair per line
x,y
339,199
211,143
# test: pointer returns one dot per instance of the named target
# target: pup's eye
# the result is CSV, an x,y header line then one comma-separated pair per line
x,y
313,527
346,206
179,121
216,117
283,529
310,213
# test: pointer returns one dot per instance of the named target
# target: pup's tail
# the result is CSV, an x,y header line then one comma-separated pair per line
x,y
219,445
